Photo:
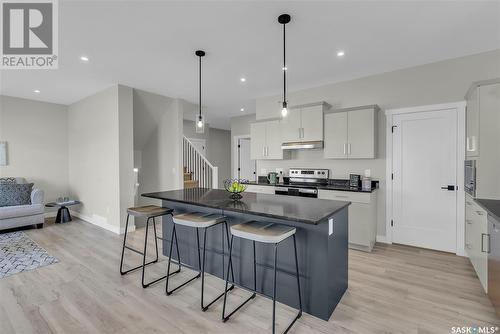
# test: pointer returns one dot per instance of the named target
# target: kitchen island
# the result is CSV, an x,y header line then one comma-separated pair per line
x,y
322,242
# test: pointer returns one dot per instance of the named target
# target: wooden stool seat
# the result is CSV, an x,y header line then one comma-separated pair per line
x,y
198,219
148,211
262,231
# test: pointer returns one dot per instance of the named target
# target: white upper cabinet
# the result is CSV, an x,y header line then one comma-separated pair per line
x,y
335,136
472,125
304,123
312,123
351,133
266,140
291,126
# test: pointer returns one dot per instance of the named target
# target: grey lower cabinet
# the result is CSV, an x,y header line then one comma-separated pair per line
x,y
362,216
476,239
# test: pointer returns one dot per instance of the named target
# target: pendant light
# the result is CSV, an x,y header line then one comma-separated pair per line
x,y
200,122
284,19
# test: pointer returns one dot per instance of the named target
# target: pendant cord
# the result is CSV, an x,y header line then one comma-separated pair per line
x,y
200,89
284,65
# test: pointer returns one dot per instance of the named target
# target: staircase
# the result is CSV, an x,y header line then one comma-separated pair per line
x,y
198,171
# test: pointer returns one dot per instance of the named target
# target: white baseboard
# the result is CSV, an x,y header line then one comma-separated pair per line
x,y
102,223
382,239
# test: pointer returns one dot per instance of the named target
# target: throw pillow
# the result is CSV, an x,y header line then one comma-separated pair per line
x,y
15,194
9,180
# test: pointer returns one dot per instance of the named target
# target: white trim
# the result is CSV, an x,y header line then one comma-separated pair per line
x,y
95,220
382,239
235,154
460,107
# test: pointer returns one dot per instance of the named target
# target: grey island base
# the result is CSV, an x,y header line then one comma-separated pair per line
x,y
322,243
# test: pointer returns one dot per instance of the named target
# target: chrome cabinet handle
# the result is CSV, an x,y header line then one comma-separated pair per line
x,y
345,148
263,151
349,149
341,196
488,250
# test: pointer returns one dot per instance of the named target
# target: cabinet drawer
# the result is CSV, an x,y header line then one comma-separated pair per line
x,y
347,196
260,189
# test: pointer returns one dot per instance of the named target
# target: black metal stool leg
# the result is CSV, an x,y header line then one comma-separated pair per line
x,y
205,307
224,316
123,247
144,284
174,237
122,272
299,314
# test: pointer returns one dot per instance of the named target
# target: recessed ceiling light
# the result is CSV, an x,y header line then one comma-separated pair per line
x,y
340,53
85,59
242,109
37,91
243,79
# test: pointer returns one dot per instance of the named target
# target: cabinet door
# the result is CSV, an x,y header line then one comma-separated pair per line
x,y
273,140
361,134
312,123
258,140
290,126
472,125
335,126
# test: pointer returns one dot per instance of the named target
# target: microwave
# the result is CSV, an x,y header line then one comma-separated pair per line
x,y
470,177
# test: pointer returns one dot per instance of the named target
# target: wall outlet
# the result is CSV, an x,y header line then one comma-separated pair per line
x,y
279,170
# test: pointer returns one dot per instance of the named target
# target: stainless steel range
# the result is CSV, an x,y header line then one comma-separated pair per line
x,y
304,182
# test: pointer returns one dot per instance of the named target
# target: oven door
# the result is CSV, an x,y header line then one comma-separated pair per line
x,y
281,190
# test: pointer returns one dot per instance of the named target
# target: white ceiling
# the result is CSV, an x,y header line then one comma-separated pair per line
x,y
150,45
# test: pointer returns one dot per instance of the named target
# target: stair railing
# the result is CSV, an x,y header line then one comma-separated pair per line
x,y
197,164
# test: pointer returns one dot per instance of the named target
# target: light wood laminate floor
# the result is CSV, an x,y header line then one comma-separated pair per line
x,y
394,289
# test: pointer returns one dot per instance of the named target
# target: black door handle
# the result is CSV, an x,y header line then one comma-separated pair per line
x,y
449,188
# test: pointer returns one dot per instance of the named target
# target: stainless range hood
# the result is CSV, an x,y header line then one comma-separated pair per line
x,y
302,145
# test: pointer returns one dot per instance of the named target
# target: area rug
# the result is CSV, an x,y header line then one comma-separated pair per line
x,y
19,253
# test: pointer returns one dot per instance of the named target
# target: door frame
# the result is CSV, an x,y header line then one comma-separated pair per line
x,y
236,161
460,108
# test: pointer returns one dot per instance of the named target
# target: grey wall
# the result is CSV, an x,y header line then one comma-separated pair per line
x,y
440,82
157,142
101,156
218,148
37,138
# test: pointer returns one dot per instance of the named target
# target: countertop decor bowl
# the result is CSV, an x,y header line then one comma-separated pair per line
x,y
235,187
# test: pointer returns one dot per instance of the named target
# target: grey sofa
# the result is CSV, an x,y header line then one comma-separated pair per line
x,y
23,215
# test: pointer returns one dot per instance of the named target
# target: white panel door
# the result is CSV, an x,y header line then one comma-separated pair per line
x,y
246,166
312,123
424,161
335,136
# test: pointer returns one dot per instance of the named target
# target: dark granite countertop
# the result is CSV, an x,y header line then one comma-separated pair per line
x,y
339,187
492,206
298,209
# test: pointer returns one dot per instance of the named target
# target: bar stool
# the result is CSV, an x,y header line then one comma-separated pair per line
x,y
151,212
198,221
269,233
